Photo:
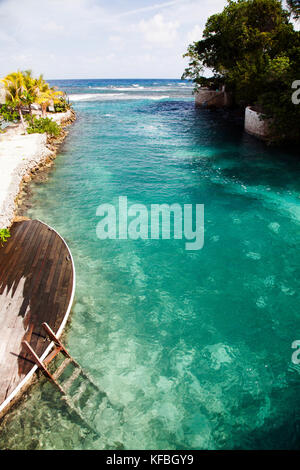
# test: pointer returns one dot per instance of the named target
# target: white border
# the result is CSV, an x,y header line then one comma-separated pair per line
x,y
59,332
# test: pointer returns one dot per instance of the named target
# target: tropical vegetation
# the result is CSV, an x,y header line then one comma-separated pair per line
x,y
4,235
8,114
22,90
253,49
14,85
41,125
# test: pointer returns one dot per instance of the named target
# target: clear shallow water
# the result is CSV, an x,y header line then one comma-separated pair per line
x,y
192,349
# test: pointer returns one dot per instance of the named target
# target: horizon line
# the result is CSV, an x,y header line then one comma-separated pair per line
x,y
117,78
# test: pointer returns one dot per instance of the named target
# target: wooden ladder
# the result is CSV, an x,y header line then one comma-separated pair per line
x,y
66,385
58,348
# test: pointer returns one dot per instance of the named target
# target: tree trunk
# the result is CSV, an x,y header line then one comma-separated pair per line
x,y
22,118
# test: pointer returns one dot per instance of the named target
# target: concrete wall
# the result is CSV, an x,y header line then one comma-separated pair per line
x,y
256,126
207,98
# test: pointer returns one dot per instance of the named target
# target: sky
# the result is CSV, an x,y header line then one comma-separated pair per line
x,y
101,38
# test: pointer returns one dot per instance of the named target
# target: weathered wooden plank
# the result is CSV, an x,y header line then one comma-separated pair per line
x,y
13,255
36,286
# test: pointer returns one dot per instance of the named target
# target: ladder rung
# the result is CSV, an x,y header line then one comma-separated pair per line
x,y
52,355
61,368
73,377
80,392
90,380
65,385
76,410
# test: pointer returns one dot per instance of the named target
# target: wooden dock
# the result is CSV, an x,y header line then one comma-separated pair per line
x,y
37,284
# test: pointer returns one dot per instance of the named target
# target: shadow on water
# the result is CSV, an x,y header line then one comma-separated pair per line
x,y
236,155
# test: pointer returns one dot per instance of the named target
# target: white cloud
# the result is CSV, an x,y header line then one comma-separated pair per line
x,y
159,31
157,6
52,27
195,34
115,38
146,37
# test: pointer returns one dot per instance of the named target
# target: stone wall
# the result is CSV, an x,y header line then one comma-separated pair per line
x,y
207,98
256,126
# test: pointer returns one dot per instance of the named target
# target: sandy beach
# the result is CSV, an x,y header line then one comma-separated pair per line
x,y
20,156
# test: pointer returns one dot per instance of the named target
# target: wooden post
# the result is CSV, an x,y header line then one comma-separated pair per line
x,y
37,359
54,338
41,365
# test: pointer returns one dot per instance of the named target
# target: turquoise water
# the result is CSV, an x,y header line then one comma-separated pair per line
x,y
191,349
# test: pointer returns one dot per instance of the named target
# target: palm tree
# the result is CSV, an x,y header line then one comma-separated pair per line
x,y
46,94
24,90
15,88
31,89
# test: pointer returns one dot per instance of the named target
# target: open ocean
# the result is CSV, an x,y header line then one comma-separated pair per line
x,y
191,349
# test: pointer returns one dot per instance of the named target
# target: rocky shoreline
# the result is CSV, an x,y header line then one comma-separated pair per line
x,y
23,158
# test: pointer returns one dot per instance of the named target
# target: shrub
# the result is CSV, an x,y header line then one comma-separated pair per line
x,y
8,114
61,107
41,125
4,235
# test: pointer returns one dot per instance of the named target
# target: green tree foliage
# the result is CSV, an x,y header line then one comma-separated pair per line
x,y
254,50
14,84
31,91
294,6
61,105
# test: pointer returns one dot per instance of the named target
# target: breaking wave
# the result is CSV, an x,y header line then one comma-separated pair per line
x,y
114,96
